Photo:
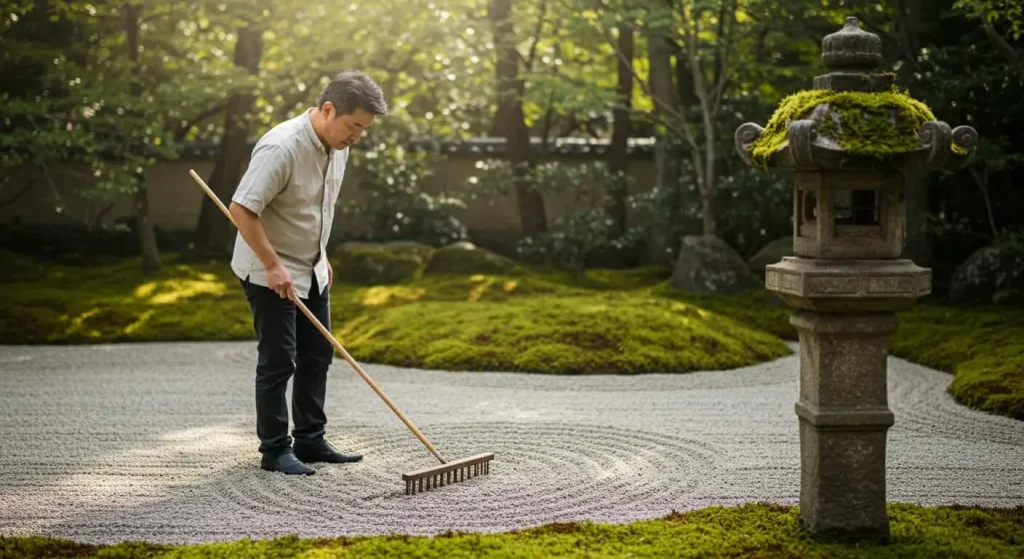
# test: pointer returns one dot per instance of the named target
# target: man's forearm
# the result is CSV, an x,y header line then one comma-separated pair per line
x,y
251,228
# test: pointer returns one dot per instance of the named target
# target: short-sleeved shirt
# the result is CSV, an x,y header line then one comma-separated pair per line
x,y
292,183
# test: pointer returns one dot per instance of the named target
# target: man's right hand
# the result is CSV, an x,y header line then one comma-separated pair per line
x,y
280,280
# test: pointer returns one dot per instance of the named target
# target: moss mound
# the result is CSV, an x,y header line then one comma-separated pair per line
x,y
466,258
982,346
380,263
600,333
869,124
752,530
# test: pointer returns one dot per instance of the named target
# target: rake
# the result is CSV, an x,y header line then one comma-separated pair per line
x,y
419,480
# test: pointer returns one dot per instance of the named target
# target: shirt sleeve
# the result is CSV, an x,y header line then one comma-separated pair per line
x,y
267,175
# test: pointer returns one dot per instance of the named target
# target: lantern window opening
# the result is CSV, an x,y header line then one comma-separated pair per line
x,y
856,207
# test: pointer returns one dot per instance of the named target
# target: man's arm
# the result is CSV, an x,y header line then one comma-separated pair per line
x,y
251,228
265,177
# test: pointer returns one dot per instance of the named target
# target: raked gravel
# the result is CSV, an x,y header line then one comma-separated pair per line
x,y
157,442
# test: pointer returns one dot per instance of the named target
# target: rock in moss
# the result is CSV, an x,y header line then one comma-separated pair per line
x,y
466,258
707,264
364,263
991,274
771,253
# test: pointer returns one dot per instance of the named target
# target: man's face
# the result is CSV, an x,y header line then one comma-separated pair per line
x,y
343,130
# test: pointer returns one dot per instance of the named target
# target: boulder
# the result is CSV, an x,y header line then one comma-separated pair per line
x,y
708,264
771,253
464,257
991,274
364,263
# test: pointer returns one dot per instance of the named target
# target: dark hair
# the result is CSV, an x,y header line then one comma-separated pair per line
x,y
351,90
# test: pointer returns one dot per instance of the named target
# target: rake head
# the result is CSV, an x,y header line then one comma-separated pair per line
x,y
444,474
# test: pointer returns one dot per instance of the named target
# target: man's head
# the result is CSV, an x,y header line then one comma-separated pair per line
x,y
348,106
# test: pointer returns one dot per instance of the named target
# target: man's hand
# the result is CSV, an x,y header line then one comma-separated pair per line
x,y
330,275
280,280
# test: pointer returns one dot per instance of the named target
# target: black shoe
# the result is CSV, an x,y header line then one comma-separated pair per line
x,y
322,451
285,462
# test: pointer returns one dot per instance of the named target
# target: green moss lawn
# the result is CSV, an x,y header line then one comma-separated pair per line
x,y
518,319
755,530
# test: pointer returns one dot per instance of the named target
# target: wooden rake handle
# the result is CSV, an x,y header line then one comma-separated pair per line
x,y
330,337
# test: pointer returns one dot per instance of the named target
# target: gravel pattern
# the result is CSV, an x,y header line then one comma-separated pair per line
x,y
157,442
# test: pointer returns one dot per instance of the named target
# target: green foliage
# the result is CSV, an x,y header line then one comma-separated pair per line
x,y
583,230
1008,13
754,208
969,83
749,530
871,124
397,205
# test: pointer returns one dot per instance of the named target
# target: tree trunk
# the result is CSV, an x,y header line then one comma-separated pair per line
x,y
511,123
618,155
918,245
666,152
708,215
707,181
214,236
143,224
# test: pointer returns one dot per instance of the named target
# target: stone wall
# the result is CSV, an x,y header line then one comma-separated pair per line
x,y
175,199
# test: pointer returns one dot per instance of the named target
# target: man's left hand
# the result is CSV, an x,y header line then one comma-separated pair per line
x,y
330,275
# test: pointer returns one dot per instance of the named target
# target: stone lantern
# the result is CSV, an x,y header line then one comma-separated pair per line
x,y
848,141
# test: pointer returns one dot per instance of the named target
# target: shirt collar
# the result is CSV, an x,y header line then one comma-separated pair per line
x,y
311,133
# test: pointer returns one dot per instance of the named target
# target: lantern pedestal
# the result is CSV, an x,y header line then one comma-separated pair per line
x,y
844,419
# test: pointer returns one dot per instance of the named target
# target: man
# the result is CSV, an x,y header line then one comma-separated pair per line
x,y
284,208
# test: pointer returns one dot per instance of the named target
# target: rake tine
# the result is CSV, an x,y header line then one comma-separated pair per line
x,y
449,473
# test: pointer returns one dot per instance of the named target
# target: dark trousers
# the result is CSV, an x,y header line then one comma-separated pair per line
x,y
289,346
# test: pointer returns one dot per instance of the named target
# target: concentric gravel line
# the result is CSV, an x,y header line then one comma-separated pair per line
x,y
557,489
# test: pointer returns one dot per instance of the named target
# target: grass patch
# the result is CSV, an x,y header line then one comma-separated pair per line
x,y
754,530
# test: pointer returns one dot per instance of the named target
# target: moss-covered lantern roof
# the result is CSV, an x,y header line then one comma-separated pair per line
x,y
854,117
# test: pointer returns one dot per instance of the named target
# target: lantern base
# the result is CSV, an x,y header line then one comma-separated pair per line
x,y
848,285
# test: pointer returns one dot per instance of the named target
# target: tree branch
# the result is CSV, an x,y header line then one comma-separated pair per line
x,y
905,48
675,115
1000,44
182,130
722,75
536,34
10,201
983,187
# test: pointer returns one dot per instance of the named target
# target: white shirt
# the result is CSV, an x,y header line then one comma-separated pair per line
x,y
292,183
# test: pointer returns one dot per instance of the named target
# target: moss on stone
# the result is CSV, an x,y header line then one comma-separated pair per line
x,y
876,124
749,530
363,263
465,258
